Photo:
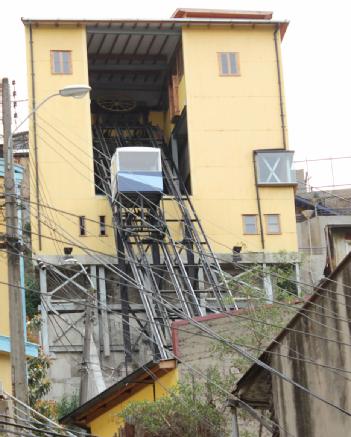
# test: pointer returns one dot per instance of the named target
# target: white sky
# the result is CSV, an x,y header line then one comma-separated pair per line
x,y
316,60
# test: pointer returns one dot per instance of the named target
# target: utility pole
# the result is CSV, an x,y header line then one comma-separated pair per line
x,y
18,356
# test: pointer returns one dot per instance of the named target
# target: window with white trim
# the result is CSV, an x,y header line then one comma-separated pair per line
x,y
228,64
61,62
275,168
250,224
273,223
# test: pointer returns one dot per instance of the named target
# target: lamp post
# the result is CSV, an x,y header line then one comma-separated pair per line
x,y
18,355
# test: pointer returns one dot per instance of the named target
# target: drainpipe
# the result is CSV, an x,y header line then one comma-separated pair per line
x,y
282,114
35,138
258,198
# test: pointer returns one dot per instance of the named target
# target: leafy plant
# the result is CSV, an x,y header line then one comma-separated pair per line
x,y
39,384
67,404
188,410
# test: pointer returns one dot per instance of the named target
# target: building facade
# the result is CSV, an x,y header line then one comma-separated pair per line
x,y
317,341
208,85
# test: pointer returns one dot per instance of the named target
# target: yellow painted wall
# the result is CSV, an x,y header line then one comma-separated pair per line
x,y
109,423
5,371
228,118
64,147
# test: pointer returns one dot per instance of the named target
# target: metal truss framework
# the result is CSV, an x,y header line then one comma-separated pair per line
x,y
173,270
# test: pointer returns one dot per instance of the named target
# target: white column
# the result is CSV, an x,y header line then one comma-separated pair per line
x,y
45,299
104,319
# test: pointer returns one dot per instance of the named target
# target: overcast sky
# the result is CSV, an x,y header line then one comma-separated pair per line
x,y
316,59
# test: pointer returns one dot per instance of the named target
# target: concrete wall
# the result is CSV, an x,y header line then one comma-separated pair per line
x,y
314,261
298,413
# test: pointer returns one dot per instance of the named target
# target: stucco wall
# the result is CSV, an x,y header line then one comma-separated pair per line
x,y
298,413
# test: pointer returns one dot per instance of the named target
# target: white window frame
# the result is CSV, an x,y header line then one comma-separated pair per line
x,y
268,231
220,63
263,162
245,230
61,69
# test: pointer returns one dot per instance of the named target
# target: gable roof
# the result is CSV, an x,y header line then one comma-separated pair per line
x,y
118,392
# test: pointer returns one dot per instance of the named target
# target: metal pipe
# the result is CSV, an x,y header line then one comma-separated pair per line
x,y
258,203
35,139
282,114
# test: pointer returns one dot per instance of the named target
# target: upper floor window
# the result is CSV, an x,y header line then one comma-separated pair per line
x,y
274,167
61,62
102,225
250,224
82,230
228,64
272,223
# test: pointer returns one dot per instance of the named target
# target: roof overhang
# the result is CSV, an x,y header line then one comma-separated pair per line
x,y
220,13
155,24
119,392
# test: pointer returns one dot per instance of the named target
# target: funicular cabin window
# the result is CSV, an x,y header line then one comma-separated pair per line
x,y
228,64
61,62
274,167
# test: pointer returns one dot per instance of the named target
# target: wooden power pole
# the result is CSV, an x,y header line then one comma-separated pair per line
x,y
18,356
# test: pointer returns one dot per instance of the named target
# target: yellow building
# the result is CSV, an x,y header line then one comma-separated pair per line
x,y
100,414
229,115
208,85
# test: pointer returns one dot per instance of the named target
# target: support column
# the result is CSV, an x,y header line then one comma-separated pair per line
x,y
44,329
124,303
6,414
105,332
298,279
235,426
267,282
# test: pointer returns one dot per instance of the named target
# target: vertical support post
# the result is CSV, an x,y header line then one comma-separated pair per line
x,y
297,277
18,356
89,314
235,426
124,303
44,312
104,318
190,268
6,409
267,282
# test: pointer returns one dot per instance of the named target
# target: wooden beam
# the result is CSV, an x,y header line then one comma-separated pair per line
x,y
126,57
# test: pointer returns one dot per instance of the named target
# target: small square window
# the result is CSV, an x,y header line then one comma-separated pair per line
x,y
102,223
82,225
228,64
61,62
250,224
272,223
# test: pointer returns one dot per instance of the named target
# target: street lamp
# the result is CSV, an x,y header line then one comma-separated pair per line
x,y
18,356
75,91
